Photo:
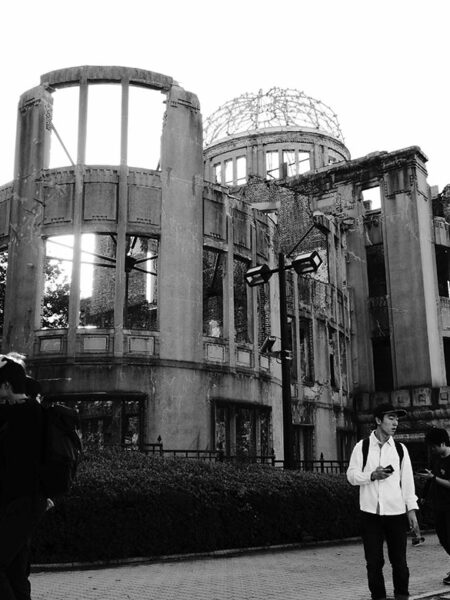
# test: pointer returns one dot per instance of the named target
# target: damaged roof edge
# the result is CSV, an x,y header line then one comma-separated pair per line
x,y
381,160
107,74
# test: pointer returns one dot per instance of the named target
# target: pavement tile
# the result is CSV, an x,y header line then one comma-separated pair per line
x,y
334,572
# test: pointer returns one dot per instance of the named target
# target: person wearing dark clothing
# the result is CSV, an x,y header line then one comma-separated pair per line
x,y
21,502
438,485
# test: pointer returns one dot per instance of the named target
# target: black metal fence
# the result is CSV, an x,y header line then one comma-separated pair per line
x,y
315,466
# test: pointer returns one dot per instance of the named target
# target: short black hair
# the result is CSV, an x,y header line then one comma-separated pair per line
x,y
17,357
437,436
13,373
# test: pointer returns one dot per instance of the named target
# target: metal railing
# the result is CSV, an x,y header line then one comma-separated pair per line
x,y
313,466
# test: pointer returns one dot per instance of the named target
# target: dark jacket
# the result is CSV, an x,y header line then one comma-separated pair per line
x,y
438,494
20,450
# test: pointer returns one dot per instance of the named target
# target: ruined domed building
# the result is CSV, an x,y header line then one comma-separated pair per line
x,y
126,279
258,145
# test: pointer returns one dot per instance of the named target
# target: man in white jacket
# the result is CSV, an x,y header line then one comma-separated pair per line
x,y
387,501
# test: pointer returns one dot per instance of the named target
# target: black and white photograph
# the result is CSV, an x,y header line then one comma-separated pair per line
x,y
225,300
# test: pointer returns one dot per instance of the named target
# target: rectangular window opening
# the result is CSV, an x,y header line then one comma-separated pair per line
x,y
241,324
333,355
228,169
443,271
243,432
263,307
57,282
303,445
382,364
241,170
64,136
111,422
304,162
145,122
103,124
372,198
213,278
446,341
289,163
98,274
217,169
141,280
306,351
376,270
272,164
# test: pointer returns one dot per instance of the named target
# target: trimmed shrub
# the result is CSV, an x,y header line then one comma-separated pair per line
x,y
127,504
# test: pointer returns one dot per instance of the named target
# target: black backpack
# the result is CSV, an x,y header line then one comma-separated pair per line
x,y
61,449
365,451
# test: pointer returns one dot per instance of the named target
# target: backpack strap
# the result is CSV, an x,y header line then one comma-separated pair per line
x,y
365,451
400,452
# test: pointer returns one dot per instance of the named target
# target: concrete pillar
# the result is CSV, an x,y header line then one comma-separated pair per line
x,y
229,327
75,283
22,309
180,282
411,276
122,221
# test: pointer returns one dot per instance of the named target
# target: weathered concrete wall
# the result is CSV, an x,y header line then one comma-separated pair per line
x,y
180,399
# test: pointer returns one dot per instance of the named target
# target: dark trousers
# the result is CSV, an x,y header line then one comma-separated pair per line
x,y
17,521
393,529
442,526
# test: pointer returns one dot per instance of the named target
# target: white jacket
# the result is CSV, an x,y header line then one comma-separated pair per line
x,y
391,496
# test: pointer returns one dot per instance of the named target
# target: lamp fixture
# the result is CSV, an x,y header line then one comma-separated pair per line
x,y
258,275
306,263
268,344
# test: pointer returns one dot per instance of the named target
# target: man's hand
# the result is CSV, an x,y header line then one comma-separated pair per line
x,y
412,518
380,473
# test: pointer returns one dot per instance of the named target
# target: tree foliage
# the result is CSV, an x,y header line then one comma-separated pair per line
x,y
55,302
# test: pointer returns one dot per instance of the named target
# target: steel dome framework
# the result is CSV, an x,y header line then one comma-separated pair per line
x,y
275,108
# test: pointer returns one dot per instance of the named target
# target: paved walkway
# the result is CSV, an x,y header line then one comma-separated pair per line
x,y
334,572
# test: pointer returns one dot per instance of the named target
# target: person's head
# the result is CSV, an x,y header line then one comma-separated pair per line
x,y
12,378
437,439
386,418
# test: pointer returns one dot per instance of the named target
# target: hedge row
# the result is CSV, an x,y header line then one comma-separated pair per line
x,y
126,504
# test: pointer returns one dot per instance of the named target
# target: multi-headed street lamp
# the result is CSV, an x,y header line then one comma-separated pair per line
x,y
302,264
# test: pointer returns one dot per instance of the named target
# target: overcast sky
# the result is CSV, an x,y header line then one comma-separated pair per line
x,y
382,66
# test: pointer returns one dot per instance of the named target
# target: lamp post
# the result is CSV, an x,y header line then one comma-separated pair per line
x,y
285,368
302,264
